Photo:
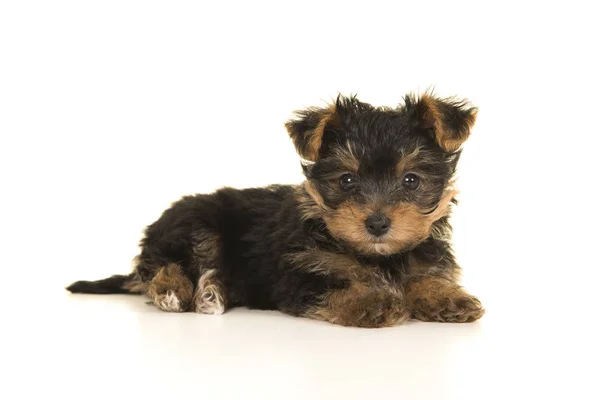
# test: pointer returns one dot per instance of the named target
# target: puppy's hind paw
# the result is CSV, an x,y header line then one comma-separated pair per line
x,y
210,295
168,302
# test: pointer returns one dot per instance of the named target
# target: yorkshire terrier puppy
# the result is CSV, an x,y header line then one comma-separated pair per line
x,y
364,241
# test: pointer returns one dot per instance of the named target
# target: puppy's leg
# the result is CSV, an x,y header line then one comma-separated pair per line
x,y
361,306
432,298
171,289
357,295
210,295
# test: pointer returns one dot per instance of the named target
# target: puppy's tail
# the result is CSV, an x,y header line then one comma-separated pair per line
x,y
125,284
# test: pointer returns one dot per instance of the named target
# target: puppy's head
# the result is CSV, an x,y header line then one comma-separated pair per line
x,y
380,177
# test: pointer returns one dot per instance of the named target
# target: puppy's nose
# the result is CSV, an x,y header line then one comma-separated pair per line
x,y
378,224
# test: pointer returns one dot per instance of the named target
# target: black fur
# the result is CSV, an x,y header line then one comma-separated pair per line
x,y
113,284
256,229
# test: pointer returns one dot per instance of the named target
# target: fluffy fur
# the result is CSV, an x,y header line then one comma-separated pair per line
x,y
308,250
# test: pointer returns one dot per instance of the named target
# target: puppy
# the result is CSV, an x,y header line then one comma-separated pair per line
x,y
364,241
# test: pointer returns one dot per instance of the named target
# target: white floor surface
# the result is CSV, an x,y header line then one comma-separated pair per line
x,y
118,346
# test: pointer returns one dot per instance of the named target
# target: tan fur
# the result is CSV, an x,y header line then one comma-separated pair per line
x,y
449,141
328,116
362,306
347,222
168,285
409,225
315,137
310,202
432,298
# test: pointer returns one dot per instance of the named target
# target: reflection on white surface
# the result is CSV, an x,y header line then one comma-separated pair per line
x,y
104,345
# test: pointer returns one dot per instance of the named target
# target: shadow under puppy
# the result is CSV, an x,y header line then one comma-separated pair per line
x,y
363,241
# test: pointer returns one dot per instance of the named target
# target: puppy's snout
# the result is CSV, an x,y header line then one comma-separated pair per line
x,y
378,224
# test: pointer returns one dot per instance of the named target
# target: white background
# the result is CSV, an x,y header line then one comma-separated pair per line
x,y
111,110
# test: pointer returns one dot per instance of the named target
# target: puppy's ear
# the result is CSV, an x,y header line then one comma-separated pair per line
x,y
308,128
450,119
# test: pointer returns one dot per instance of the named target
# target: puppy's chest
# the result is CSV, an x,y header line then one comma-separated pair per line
x,y
387,272
372,272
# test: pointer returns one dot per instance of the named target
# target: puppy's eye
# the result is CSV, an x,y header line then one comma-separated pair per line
x,y
348,181
410,181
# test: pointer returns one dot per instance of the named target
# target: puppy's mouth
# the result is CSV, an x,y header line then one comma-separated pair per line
x,y
383,248
379,244
378,239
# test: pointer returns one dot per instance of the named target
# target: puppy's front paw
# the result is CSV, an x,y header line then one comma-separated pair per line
x,y
370,309
460,309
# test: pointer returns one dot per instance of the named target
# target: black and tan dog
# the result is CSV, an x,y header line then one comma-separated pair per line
x,y
363,241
